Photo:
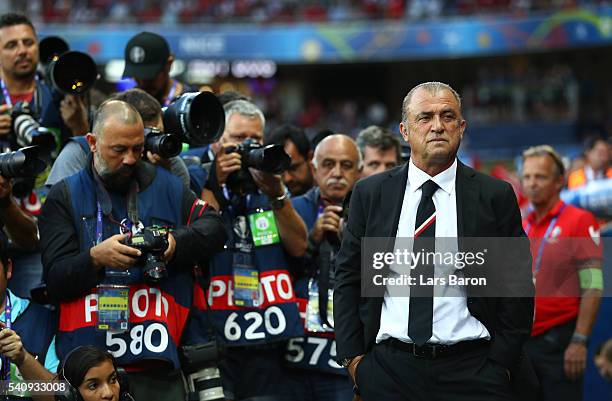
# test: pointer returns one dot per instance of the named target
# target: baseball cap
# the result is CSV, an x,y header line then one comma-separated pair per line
x,y
145,55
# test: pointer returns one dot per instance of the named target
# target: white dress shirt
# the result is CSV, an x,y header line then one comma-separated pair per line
x,y
452,321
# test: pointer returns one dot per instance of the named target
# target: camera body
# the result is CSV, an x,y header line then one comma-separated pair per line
x,y
152,242
270,159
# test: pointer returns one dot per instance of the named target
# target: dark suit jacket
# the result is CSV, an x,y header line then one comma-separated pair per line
x,y
486,207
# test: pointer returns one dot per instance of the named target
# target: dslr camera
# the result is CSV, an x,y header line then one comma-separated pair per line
x,y
270,159
152,242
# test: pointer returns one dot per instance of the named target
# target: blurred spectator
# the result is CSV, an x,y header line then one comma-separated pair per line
x,y
259,11
298,178
567,261
597,167
379,148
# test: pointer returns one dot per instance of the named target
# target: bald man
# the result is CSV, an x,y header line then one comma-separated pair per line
x,y
314,375
85,228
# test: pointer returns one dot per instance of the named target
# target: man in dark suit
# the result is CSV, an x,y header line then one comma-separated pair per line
x,y
421,347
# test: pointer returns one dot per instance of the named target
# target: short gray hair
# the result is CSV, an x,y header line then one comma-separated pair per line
x,y
378,138
546,150
332,137
244,108
431,87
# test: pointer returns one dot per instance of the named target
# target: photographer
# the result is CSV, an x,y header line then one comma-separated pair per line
x,y
255,319
92,375
73,156
20,226
102,231
148,60
26,335
314,375
18,61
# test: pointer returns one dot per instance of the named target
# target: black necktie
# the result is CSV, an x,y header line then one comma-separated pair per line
x,y
421,301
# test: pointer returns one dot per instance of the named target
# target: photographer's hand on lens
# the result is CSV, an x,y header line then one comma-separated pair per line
x,y
74,114
5,119
226,163
328,221
269,184
158,160
11,345
169,253
113,253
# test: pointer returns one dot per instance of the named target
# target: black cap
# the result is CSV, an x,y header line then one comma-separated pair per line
x,y
146,54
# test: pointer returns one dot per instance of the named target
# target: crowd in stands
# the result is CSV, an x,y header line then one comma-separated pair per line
x,y
274,11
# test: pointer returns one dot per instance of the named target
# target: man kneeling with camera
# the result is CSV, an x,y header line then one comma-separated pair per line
x,y
119,241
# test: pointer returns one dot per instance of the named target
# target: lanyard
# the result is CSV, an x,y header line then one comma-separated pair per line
x,y
170,96
7,95
6,362
552,223
99,225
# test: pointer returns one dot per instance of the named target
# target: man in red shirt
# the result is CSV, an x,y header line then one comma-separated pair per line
x,y
567,254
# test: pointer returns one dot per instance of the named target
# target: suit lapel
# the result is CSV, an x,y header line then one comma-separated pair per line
x,y
467,201
391,199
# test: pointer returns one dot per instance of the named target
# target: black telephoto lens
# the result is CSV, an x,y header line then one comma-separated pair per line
x,y
73,73
24,162
198,117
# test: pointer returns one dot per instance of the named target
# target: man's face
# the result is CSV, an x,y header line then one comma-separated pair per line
x,y
155,86
434,128
540,179
240,128
19,47
376,160
337,168
298,178
598,156
117,151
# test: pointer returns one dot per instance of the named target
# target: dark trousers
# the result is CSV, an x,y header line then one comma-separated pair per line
x,y
253,373
309,385
546,352
390,374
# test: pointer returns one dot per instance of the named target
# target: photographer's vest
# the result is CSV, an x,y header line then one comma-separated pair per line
x,y
314,350
275,318
36,325
158,313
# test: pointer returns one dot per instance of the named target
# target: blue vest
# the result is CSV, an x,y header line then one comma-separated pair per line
x,y
158,313
277,317
36,326
313,351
